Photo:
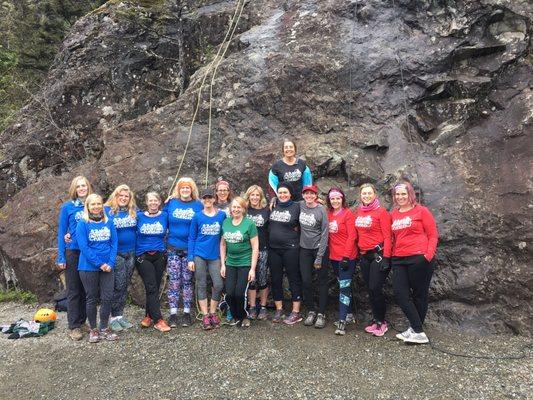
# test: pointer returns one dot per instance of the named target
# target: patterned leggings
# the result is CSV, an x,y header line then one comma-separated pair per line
x,y
179,279
261,272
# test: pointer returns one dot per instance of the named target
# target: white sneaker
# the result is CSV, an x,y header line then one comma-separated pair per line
x,y
419,338
405,335
350,319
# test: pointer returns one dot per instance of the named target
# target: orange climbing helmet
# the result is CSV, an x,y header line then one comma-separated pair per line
x,y
45,315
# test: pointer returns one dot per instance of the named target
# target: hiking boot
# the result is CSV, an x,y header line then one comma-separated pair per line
x,y
146,322
186,320
418,338
252,314
310,319
341,328
214,321
372,327
293,318
245,323
320,321
278,316
173,320
381,329
405,335
76,334
115,325
350,319
94,336
206,323
85,328
125,323
263,314
107,334
162,326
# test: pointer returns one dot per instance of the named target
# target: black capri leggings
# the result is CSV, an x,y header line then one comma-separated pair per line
x,y
287,260
151,268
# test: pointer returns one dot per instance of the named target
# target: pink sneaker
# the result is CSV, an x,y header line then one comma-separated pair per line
x,y
381,329
372,327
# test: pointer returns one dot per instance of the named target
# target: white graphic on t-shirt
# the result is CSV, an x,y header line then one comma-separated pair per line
x,y
403,223
307,219
100,235
363,222
233,237
292,176
125,222
78,215
333,227
258,220
210,229
280,216
155,228
183,213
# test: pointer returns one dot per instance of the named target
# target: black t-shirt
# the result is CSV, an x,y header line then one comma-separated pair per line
x,y
284,227
260,219
292,175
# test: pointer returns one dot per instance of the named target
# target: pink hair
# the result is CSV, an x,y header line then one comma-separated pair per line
x,y
410,192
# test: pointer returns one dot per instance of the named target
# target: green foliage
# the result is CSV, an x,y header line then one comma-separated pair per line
x,y
19,296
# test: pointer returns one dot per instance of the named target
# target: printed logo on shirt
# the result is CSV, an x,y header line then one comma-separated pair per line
x,y
258,220
403,223
363,222
307,219
233,237
333,227
183,213
78,215
155,228
125,222
292,176
210,229
100,235
280,216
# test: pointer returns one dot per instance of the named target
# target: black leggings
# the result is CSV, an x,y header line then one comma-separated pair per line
x,y
307,267
285,259
236,286
375,279
411,277
151,268
76,297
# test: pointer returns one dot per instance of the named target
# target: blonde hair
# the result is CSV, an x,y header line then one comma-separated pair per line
x,y
368,185
185,182
73,186
241,202
113,204
256,188
155,194
92,197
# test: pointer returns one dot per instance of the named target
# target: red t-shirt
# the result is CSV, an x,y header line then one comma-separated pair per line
x,y
414,232
373,228
342,235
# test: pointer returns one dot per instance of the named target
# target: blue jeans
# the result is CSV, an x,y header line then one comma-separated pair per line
x,y
123,271
345,287
98,286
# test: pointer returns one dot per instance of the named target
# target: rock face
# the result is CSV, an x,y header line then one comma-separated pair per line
x,y
371,90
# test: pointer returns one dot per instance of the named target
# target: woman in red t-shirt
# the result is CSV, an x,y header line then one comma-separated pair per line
x,y
342,250
373,225
414,236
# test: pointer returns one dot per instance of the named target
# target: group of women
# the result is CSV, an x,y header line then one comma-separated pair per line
x,y
246,246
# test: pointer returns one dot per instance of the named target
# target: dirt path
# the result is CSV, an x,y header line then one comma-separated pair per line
x,y
267,361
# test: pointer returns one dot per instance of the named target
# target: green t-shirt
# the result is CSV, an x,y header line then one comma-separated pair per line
x,y
238,246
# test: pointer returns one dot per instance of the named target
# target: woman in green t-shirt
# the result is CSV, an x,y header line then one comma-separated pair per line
x,y
239,249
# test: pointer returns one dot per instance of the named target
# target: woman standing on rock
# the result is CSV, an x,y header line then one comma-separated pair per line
x,y
414,237
259,213
151,257
342,250
223,196
97,239
373,225
204,256
313,257
68,254
122,210
291,170
283,253
181,208
239,250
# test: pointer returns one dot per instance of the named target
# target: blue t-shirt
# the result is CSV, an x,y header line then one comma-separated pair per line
x,y
98,244
204,236
151,232
71,212
126,226
180,214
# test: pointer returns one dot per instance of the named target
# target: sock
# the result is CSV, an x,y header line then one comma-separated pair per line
x,y
187,310
174,310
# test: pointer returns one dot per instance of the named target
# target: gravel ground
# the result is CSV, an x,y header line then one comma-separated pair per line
x,y
267,361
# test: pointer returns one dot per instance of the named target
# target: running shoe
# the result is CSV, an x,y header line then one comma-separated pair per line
x,y
263,314
278,316
341,328
405,335
206,322
85,328
381,329
76,334
107,334
293,318
417,338
372,327
350,319
125,323
234,322
115,325
310,319
186,320
173,320
146,322
214,321
162,326
229,317
245,323
252,314
320,321
94,336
